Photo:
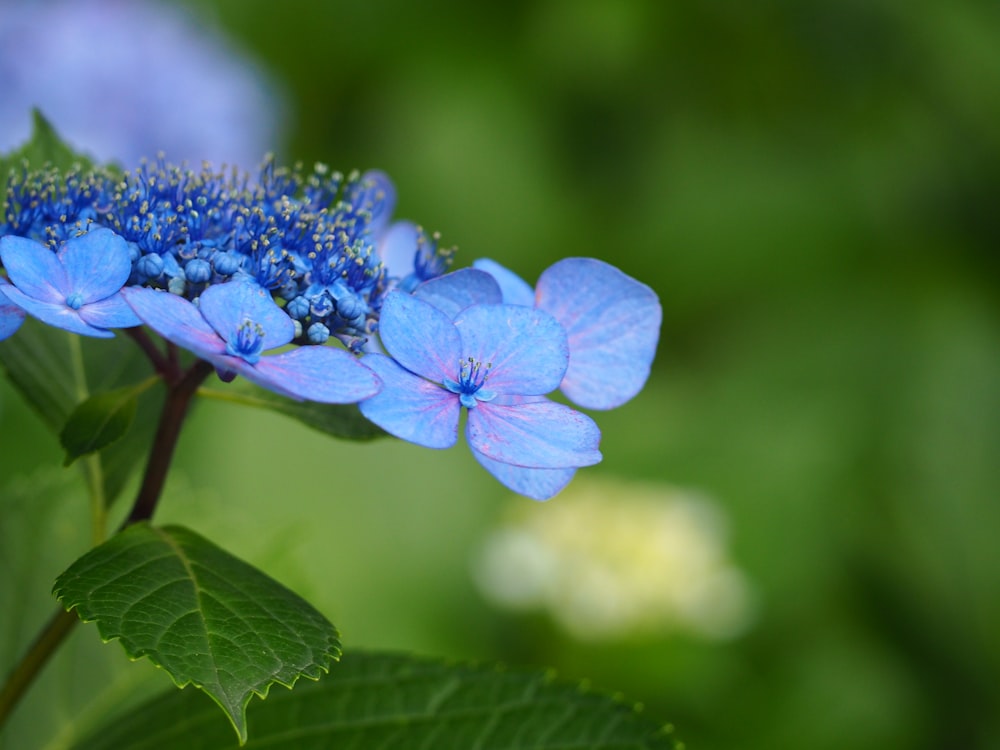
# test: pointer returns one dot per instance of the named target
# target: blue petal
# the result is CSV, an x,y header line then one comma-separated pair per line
x,y
516,291
613,325
410,407
176,320
227,306
97,264
227,367
420,337
541,435
11,316
538,484
113,312
397,247
460,289
34,269
526,348
55,314
312,373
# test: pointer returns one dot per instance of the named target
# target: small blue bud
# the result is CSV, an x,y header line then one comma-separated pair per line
x,y
349,306
150,266
358,321
226,264
318,333
198,271
287,291
298,308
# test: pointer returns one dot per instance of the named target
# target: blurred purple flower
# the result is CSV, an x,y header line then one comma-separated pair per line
x,y
124,79
77,288
231,327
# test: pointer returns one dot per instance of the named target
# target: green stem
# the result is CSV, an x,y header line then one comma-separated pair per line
x,y
98,501
92,469
38,654
180,390
76,363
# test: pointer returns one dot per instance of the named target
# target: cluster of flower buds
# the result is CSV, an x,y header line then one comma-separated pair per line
x,y
231,267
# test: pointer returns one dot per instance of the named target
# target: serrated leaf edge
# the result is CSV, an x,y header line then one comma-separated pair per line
x,y
332,651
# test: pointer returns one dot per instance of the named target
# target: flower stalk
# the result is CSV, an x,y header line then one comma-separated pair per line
x,y
168,431
45,644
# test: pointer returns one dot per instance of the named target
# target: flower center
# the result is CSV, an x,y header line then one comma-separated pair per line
x,y
74,301
472,376
248,342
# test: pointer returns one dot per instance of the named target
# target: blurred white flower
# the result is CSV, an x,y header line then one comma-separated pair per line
x,y
610,559
123,79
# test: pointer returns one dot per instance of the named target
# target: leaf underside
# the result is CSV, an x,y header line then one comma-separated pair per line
x,y
204,616
377,701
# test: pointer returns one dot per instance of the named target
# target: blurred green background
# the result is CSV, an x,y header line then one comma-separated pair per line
x,y
811,188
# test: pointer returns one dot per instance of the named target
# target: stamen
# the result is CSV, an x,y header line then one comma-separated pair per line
x,y
472,376
248,343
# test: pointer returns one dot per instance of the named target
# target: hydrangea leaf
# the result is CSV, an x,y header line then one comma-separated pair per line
x,y
44,147
35,362
100,420
396,702
343,421
207,618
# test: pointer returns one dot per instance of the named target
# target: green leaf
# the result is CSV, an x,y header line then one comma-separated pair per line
x,y
44,147
339,420
35,361
396,702
98,422
204,616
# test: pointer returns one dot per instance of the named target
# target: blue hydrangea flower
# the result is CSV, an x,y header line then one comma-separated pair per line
x,y
494,360
305,237
76,288
235,323
612,323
